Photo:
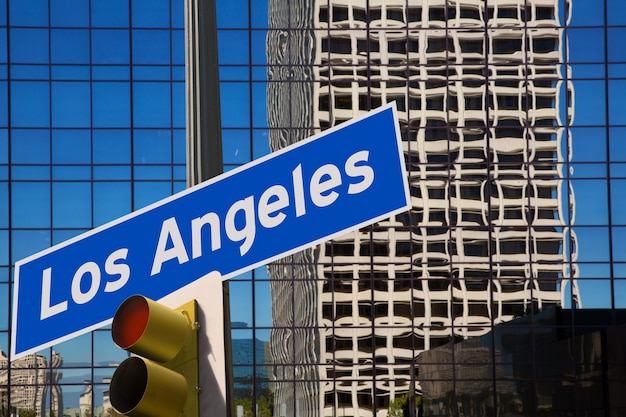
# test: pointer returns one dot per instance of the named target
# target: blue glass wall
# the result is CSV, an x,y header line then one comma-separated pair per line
x,y
92,126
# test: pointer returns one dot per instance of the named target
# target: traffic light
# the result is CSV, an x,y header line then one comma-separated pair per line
x,y
162,380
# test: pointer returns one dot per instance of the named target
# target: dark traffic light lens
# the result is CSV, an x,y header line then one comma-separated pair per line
x,y
142,388
128,385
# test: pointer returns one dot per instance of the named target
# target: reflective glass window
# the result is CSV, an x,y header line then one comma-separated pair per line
x,y
71,72
589,44
64,172
110,46
4,148
29,206
70,46
261,142
110,13
588,144
152,104
28,12
151,13
178,73
180,140
71,392
593,245
259,39
236,146
590,103
4,208
151,47
3,46
4,344
111,147
110,201
30,104
30,173
617,136
229,14
4,244
105,351
151,172
109,72
178,47
179,186
178,15
29,46
69,13
259,15
587,13
71,146
76,353
262,303
241,296
516,174
4,312
71,104
178,104
111,104
232,73
229,55
30,72
27,242
235,104
71,204
597,292
616,12
152,147
615,45
618,235
61,235
180,174
30,146
259,111
620,293
617,101
108,172
151,73
146,193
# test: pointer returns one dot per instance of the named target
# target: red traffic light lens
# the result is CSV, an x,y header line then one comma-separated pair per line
x,y
130,321
149,329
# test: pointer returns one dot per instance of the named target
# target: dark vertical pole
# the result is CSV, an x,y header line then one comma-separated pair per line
x,y
204,125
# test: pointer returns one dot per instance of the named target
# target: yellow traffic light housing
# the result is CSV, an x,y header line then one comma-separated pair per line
x,y
162,381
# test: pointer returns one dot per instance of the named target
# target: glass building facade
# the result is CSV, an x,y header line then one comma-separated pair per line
x,y
513,123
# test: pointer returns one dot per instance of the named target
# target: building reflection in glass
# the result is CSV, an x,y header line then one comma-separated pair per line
x,y
479,88
539,365
33,379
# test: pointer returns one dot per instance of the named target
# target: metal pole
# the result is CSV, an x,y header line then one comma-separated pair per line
x,y
204,141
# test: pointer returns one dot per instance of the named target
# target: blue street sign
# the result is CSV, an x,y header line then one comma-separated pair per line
x,y
345,178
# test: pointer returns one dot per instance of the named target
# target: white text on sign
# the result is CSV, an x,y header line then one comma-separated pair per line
x,y
239,224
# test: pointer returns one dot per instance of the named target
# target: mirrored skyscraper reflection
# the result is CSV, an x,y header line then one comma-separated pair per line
x,y
30,381
484,101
